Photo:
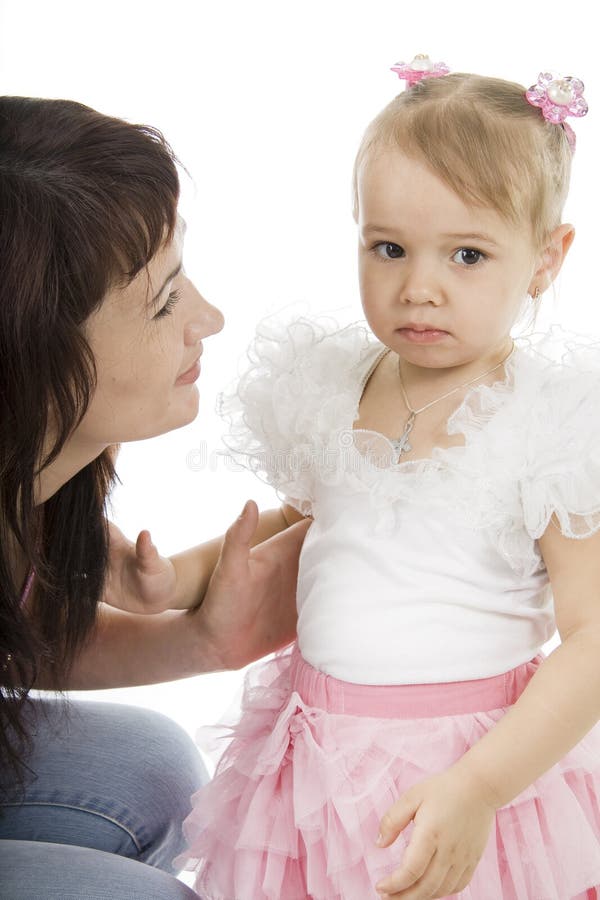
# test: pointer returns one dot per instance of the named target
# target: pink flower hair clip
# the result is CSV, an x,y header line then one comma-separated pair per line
x,y
558,98
421,67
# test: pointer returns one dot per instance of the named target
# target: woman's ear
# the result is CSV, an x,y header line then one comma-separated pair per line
x,y
551,258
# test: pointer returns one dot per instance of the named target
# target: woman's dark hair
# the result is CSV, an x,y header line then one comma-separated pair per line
x,y
86,201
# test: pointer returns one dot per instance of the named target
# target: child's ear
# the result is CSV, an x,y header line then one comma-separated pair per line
x,y
552,257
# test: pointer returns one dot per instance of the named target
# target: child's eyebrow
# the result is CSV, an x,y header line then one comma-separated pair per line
x,y
371,229
471,236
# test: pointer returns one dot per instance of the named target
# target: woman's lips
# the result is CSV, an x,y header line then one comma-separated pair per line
x,y
426,336
191,375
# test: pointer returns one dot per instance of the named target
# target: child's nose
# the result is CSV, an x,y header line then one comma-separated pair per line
x,y
420,284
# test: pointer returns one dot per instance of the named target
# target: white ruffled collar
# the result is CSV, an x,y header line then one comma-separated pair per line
x,y
292,415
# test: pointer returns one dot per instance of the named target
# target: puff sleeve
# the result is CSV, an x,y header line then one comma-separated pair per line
x,y
297,389
562,463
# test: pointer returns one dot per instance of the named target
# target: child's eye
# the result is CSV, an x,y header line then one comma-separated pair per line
x,y
388,250
466,256
168,307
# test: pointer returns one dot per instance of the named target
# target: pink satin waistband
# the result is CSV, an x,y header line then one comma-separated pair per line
x,y
409,701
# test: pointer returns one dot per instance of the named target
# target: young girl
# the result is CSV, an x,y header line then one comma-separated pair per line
x,y
415,742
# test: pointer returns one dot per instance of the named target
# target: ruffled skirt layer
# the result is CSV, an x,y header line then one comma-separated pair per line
x,y
307,773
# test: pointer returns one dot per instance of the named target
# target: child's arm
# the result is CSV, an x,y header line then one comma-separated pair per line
x,y
142,581
194,567
559,706
561,703
248,611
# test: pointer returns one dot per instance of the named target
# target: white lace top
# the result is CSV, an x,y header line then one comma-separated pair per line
x,y
427,570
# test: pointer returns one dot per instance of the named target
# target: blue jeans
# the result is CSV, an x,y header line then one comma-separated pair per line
x,y
100,817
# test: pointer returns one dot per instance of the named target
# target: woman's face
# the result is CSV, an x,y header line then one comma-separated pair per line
x,y
147,341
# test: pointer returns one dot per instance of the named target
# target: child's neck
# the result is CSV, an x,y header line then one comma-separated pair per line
x,y
383,410
422,384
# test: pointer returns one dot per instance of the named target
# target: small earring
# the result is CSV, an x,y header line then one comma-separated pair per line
x,y
536,294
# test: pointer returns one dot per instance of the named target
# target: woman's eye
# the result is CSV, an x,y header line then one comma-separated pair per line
x,y
466,256
389,251
168,307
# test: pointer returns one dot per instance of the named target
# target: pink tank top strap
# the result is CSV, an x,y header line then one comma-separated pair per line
x,y
27,588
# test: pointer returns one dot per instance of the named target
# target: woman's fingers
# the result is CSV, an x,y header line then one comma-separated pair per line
x,y
238,537
283,548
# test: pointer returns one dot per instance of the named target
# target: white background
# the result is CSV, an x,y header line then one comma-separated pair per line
x,y
265,102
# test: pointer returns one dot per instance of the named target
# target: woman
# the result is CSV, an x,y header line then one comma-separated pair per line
x,y
100,339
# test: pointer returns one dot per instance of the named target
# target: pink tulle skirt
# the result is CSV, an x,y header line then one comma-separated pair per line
x,y
313,764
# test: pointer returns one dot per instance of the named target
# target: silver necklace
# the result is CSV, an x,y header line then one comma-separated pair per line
x,y
401,445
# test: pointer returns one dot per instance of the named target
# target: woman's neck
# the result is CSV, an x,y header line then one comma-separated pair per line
x,y
73,457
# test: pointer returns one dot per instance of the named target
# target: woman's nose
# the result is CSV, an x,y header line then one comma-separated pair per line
x,y
206,321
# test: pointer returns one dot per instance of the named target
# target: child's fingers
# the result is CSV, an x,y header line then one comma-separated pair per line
x,y
463,881
417,857
456,880
396,819
419,852
118,541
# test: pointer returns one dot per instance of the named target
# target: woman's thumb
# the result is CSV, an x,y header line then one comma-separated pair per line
x,y
240,533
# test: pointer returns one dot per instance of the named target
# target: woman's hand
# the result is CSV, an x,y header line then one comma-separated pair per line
x,y
247,611
139,580
249,608
452,823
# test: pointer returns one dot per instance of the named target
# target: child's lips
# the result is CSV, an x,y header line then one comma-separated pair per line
x,y
422,334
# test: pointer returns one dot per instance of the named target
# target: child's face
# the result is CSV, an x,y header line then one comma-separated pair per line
x,y
427,258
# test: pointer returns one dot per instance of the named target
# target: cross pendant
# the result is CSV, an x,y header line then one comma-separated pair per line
x,y
402,445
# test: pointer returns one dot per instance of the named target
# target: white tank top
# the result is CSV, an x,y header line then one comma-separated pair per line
x,y
429,571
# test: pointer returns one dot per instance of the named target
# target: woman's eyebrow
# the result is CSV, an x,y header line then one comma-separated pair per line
x,y
169,278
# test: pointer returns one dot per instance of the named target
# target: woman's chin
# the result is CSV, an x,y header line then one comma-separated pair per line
x,y
177,416
185,410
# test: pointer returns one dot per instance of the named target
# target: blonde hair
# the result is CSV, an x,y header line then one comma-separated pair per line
x,y
485,141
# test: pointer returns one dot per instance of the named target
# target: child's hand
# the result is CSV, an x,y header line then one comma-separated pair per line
x,y
139,580
452,822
